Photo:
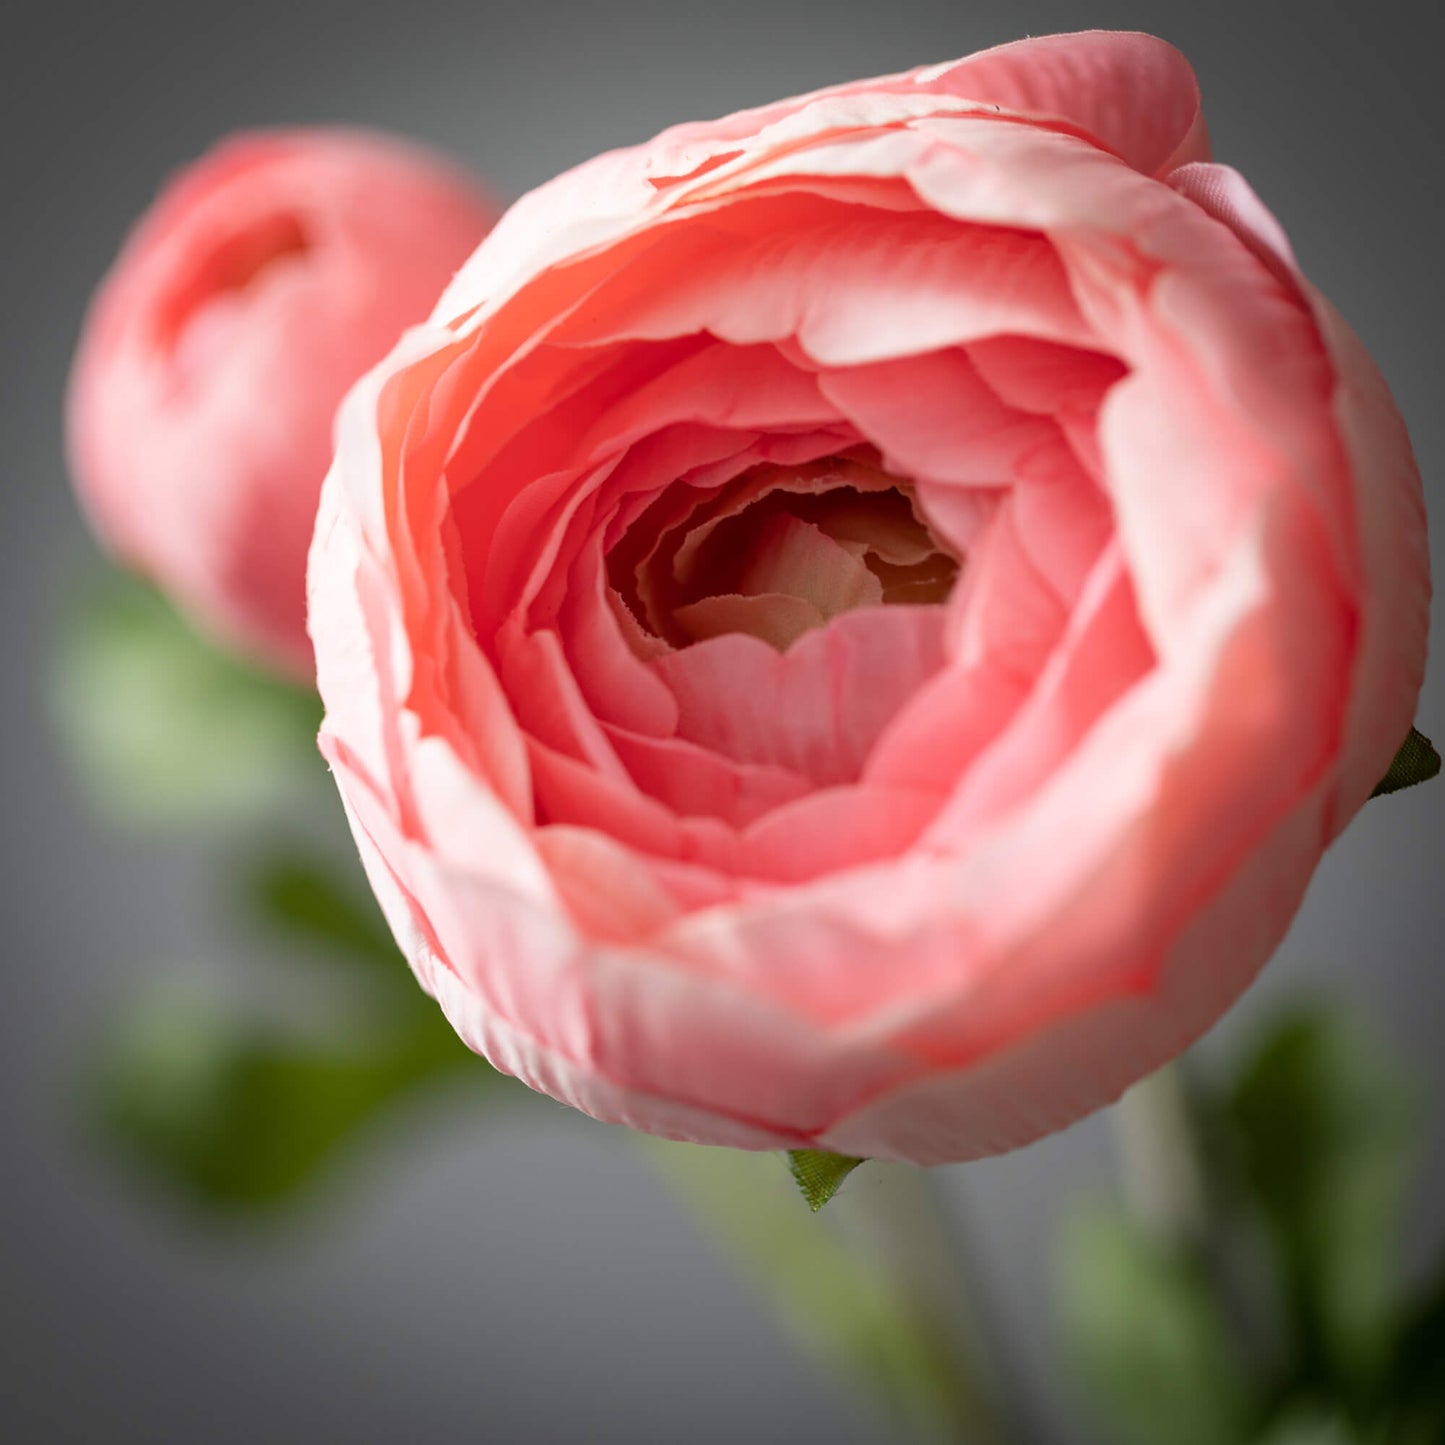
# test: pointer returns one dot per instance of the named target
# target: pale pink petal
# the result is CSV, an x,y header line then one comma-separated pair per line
x,y
933,418
1228,393
1005,618
694,781
550,706
351,672
1043,376
816,709
974,169
1101,656
1388,503
1063,519
608,895
1395,561
574,792
605,647
703,1041
832,829
1221,192
1133,93
1008,607
1054,1075
851,285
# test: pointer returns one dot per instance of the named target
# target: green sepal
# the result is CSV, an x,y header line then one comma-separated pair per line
x,y
1416,762
819,1175
301,900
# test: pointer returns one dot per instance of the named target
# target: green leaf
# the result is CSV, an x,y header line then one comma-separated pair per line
x,y
1326,1126
1416,762
235,1114
302,901
166,728
820,1175
1147,1336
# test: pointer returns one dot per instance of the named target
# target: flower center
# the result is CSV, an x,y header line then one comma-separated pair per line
x,y
777,552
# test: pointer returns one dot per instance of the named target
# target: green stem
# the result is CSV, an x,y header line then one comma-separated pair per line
x,y
1160,1161
873,1287
1172,1191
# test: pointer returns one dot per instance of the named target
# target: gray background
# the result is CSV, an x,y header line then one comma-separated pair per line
x,y
525,1277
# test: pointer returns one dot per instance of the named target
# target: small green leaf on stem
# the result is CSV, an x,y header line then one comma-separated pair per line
x,y
303,901
820,1175
1416,762
235,1114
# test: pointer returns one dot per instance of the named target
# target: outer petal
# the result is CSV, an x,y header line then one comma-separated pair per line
x,y
1389,504
1137,96
1133,93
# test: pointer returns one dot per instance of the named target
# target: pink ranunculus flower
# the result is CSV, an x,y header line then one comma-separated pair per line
x,y
263,281
854,623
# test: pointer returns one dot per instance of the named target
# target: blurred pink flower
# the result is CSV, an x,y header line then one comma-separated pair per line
x,y
697,792
264,280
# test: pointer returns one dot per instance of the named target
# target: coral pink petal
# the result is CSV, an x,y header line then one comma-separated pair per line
x,y
852,288
833,829
1133,93
1221,192
1389,508
816,709
1388,502
934,418
1102,655
1008,616
1039,376
697,782
617,685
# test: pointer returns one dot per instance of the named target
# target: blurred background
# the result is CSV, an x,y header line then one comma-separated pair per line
x,y
479,1266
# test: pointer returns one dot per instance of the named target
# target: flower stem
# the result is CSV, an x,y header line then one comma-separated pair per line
x,y
1163,1176
873,1287
1172,1189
